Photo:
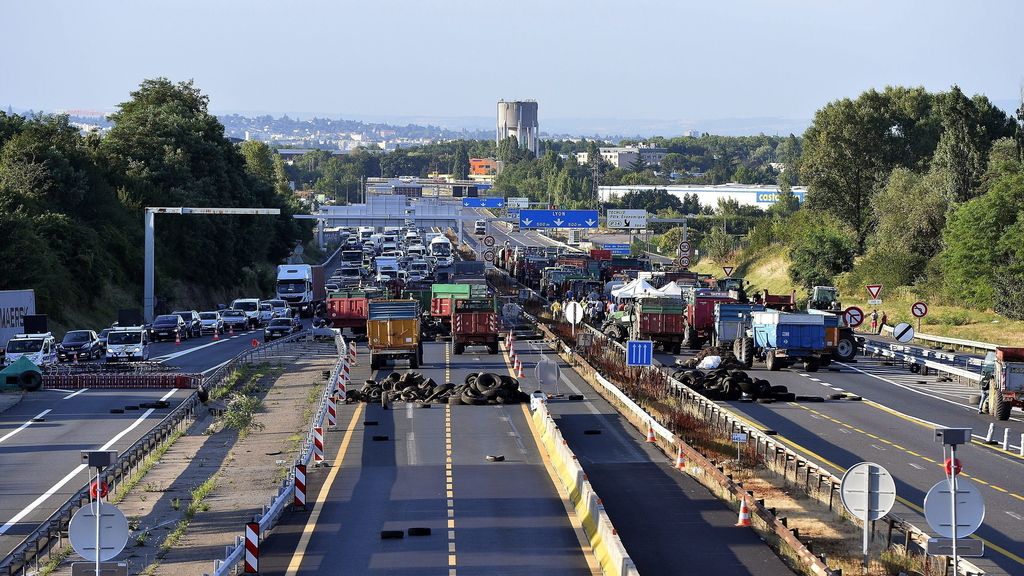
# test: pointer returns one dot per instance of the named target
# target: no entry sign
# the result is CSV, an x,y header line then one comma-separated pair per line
x,y
853,316
919,309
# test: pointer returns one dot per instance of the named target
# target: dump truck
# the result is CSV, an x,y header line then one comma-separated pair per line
x,y
732,323
348,309
783,339
475,323
700,317
393,332
824,300
442,297
1003,372
659,320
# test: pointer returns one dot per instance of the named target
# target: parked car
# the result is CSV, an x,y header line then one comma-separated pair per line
x,y
280,327
129,343
234,319
102,337
251,307
266,313
193,323
168,327
81,344
212,322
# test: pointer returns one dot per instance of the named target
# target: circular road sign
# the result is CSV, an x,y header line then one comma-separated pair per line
x,y
868,491
104,489
953,467
853,316
970,508
488,240
684,247
919,309
903,332
113,532
547,372
683,261
574,312
489,255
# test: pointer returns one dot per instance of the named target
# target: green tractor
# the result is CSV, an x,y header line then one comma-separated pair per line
x,y
825,298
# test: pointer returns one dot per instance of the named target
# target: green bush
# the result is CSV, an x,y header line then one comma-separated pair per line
x,y
951,319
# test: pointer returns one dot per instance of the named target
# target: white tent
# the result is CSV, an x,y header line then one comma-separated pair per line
x,y
636,288
672,290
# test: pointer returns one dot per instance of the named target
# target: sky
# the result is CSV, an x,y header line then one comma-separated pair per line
x,y
667,63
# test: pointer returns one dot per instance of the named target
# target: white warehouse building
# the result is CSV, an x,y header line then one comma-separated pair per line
x,y
759,195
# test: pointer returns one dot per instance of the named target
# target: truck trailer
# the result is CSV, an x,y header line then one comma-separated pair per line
x,y
474,323
393,332
302,287
783,339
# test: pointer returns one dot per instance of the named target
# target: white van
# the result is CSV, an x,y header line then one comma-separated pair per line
x,y
365,232
41,349
128,343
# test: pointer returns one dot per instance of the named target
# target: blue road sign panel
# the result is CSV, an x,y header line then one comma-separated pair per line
x,y
617,249
483,202
639,352
558,219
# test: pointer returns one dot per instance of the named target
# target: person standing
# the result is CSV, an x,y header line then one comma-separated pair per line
x,y
874,321
881,324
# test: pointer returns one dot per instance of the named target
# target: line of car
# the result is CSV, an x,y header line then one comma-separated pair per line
x,y
404,254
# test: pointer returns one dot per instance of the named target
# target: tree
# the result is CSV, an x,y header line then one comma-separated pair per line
x,y
961,151
460,164
508,150
818,256
259,160
637,165
718,244
911,213
651,200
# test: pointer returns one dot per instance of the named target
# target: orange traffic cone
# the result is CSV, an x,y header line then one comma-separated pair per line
x,y
680,461
75,356
231,330
216,334
650,433
744,514
519,369
177,339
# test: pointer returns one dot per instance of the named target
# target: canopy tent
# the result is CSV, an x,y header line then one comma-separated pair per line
x,y
636,288
671,289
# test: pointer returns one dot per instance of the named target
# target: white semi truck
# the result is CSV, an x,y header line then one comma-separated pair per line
x,y
302,287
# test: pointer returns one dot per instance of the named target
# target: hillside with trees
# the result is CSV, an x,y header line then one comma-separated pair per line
x,y
71,206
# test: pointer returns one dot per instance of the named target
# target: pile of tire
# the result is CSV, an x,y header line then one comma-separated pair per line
x,y
484,388
725,384
729,360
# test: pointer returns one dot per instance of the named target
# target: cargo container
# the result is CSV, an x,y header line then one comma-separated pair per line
x,y
784,339
348,309
393,332
441,297
475,322
700,318
732,323
659,320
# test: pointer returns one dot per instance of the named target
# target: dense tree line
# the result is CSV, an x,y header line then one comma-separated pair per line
x,y
71,206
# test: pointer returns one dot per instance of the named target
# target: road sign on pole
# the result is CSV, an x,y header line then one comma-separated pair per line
x,y
617,249
627,219
574,313
517,203
853,316
683,261
728,270
919,309
868,492
874,290
109,534
488,240
639,352
478,202
558,218
903,332
489,255
970,508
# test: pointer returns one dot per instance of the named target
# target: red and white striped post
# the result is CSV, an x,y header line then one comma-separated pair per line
x,y
252,547
352,354
299,494
332,411
346,372
341,390
318,444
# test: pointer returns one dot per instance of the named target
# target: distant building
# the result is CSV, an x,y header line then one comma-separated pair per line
x,y
758,195
519,118
483,166
625,156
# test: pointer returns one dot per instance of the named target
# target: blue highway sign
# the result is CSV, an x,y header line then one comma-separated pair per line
x,y
558,219
483,202
639,352
617,249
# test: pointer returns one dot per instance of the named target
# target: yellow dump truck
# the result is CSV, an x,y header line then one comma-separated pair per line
x,y
393,331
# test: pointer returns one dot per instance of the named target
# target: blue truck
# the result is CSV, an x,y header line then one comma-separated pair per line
x,y
783,339
732,324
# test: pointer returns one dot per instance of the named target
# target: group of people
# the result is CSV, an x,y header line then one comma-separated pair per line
x,y
876,327
595,306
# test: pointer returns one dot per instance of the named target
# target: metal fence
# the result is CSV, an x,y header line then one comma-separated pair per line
x,y
50,532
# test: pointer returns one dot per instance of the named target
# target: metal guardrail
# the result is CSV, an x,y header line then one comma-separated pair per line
x,y
973,344
49,532
912,359
276,506
816,481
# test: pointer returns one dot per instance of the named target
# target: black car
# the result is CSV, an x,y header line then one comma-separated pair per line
x,y
280,327
193,323
81,344
168,327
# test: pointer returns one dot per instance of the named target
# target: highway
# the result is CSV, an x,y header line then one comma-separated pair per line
x,y
892,426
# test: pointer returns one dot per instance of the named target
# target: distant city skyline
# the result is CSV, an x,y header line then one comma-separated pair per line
x,y
594,66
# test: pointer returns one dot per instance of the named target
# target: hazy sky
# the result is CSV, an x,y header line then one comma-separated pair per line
x,y
664,59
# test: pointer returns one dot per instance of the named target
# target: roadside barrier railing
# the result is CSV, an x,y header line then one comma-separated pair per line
x,y
272,511
809,476
956,342
909,359
47,534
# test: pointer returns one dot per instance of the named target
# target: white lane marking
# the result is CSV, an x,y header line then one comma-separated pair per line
x,y
410,446
25,425
816,380
1014,515
408,411
918,466
191,350
877,447
78,469
208,370
72,395
845,431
